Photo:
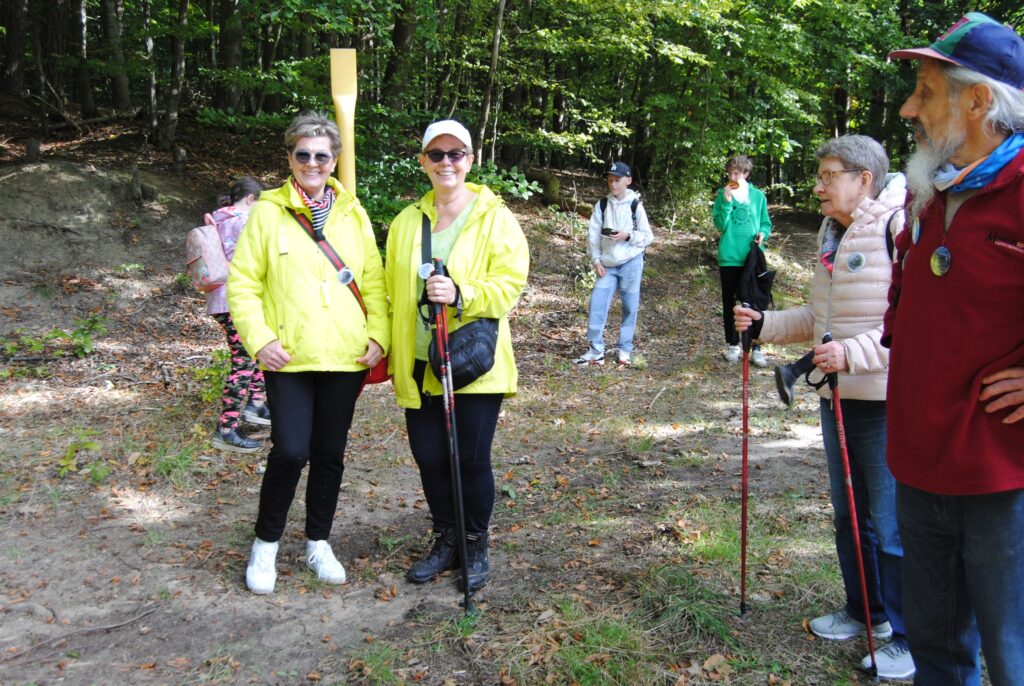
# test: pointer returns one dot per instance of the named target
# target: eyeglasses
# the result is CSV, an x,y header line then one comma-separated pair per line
x,y
304,156
825,178
455,156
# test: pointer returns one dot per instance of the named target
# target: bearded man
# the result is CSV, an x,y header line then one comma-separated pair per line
x,y
956,379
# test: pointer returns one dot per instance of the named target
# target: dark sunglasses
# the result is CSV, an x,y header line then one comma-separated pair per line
x,y
304,156
437,155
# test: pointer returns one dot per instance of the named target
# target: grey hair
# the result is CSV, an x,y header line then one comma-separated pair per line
x,y
859,152
312,125
1006,113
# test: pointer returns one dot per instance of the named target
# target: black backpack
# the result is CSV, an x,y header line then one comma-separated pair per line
x,y
632,208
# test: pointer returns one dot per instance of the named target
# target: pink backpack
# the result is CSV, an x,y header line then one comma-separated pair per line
x,y
205,260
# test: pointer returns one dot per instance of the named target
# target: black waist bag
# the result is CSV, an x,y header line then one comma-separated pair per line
x,y
471,349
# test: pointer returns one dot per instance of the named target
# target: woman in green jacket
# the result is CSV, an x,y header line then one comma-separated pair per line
x,y
300,317
487,258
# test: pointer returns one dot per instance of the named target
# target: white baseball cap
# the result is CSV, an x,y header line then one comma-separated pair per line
x,y
449,127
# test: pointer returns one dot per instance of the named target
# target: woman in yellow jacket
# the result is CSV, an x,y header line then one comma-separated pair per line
x,y
298,315
487,257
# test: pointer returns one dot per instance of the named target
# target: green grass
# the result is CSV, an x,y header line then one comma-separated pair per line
x,y
378,664
175,463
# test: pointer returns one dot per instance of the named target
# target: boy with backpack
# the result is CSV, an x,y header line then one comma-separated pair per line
x,y
618,235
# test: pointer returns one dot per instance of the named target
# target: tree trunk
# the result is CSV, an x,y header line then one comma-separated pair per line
x,y
51,32
270,37
485,112
228,92
396,74
83,79
169,130
147,42
113,15
15,19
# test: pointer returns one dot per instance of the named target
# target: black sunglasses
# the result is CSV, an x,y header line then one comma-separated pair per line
x,y
437,155
304,156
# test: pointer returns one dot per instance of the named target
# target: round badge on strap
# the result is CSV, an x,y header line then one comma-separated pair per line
x,y
345,276
941,261
425,271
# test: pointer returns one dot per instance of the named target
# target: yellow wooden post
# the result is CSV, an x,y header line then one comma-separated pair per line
x,y
343,92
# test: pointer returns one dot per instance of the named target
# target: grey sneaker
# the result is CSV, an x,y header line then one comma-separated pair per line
x,y
256,414
840,626
732,353
757,358
893,662
590,357
235,442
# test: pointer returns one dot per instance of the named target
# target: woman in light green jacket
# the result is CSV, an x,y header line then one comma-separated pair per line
x,y
300,317
481,243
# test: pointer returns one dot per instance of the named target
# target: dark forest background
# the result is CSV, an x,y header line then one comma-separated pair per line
x,y
672,86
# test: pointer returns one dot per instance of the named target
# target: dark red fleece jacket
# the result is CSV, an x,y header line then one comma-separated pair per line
x,y
948,332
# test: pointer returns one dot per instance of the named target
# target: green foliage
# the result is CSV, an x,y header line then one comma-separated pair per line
x,y
82,443
212,377
82,337
506,182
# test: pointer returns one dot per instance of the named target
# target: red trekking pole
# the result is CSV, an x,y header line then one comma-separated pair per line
x,y
833,384
440,312
745,337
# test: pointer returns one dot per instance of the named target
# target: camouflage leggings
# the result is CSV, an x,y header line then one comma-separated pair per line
x,y
245,380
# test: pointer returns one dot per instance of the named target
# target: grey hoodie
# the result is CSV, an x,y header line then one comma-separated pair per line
x,y
619,218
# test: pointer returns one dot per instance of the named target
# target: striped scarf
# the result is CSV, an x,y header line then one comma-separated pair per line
x,y
320,209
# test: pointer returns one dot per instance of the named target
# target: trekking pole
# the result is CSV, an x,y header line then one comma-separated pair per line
x,y
833,384
440,312
745,337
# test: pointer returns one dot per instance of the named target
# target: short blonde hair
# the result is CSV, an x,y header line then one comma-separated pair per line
x,y
311,125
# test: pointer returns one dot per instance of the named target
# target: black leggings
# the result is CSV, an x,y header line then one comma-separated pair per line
x,y
476,418
730,277
310,414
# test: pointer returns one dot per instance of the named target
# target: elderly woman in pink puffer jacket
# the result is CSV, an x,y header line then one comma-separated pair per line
x,y
862,207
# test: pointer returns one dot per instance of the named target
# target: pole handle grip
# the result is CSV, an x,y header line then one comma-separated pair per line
x,y
745,335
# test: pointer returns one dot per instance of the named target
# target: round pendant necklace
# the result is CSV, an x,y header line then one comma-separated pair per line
x,y
941,261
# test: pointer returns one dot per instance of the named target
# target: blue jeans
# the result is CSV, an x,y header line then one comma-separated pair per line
x,y
874,494
964,570
626,279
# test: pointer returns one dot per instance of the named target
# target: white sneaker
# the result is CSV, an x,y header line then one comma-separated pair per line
x,y
893,662
840,626
624,359
732,353
757,358
261,574
320,558
590,357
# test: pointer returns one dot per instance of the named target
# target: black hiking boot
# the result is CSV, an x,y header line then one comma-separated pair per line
x,y
479,566
786,377
443,555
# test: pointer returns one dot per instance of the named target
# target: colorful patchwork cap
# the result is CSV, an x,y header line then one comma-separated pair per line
x,y
980,43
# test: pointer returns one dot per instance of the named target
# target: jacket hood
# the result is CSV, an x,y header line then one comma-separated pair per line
x,y
287,197
892,196
486,200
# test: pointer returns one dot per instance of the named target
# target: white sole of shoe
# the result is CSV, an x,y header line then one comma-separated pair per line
x,y
224,445
255,419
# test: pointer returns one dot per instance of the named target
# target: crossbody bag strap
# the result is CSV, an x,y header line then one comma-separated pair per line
x,y
425,246
331,254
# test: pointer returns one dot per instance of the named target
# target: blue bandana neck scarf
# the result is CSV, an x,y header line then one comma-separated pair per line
x,y
981,173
